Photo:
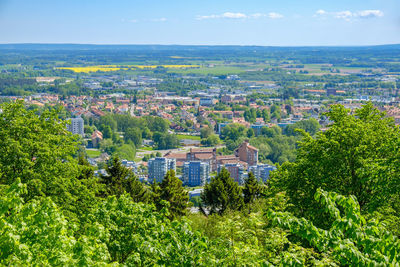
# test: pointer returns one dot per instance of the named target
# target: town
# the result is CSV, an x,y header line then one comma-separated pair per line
x,y
197,125
200,133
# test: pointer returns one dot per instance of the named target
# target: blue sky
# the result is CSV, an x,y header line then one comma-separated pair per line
x,y
202,22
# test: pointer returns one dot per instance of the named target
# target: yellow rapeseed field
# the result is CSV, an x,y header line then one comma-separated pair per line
x,y
122,67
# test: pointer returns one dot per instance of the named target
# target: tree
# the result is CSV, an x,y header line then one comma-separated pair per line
x,y
120,180
172,191
134,135
350,240
271,131
86,171
311,126
137,235
165,140
40,151
107,131
357,155
265,115
222,194
250,132
37,233
251,190
250,115
138,191
212,140
205,132
108,120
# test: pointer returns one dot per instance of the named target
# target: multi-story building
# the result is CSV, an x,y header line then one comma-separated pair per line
x,y
195,173
206,101
76,126
261,172
236,170
247,153
208,155
158,168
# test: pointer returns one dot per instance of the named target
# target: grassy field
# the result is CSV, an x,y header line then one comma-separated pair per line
x,y
191,137
93,153
217,70
146,148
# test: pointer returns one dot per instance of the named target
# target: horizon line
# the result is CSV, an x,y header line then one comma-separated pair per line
x,y
199,45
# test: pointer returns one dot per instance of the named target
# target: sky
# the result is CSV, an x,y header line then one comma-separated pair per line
x,y
202,22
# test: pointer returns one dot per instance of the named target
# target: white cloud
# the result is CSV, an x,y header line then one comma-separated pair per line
x,y
273,15
226,15
232,15
349,15
346,15
369,14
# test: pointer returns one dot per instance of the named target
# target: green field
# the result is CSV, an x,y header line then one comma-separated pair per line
x,y
146,148
191,137
93,153
217,70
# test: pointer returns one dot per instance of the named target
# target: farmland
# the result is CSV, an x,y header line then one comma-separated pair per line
x,y
106,68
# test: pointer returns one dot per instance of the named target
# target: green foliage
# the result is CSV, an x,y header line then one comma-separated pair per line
x,y
134,135
37,233
355,156
252,189
222,194
250,115
39,150
165,140
311,126
126,151
205,132
135,234
121,180
172,191
233,132
350,239
211,140
276,149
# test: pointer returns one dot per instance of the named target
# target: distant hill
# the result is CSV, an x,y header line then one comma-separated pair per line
x,y
27,46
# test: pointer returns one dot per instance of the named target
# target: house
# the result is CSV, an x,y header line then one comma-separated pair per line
x,y
97,136
247,153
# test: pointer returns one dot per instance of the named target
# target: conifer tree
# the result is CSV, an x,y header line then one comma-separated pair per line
x,y
171,190
120,180
251,190
222,194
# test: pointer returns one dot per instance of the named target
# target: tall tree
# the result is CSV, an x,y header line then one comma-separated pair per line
x,y
134,135
251,190
40,151
120,180
172,191
357,155
222,194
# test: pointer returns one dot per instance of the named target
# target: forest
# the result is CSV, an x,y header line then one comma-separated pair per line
x,y
335,204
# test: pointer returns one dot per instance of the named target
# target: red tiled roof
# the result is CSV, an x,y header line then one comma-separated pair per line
x,y
181,156
201,150
203,156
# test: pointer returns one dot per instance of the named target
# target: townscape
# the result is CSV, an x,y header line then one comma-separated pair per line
x,y
200,155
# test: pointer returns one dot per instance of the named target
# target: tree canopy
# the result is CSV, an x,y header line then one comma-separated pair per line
x,y
356,155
